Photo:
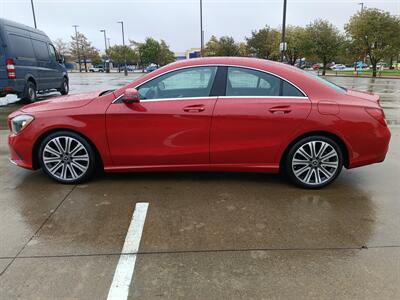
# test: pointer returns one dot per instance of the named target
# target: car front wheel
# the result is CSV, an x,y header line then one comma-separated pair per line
x,y
314,162
67,157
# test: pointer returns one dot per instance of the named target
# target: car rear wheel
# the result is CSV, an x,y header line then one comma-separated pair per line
x,y
67,157
30,95
64,87
314,162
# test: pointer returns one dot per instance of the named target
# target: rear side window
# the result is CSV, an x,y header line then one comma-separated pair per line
x,y
40,50
248,82
289,90
21,46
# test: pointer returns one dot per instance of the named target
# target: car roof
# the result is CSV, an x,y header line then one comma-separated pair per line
x,y
21,26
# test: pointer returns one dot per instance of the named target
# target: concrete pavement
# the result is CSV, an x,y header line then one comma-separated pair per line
x,y
206,236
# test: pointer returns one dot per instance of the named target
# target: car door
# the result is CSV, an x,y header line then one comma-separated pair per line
x,y
253,119
43,60
56,70
171,123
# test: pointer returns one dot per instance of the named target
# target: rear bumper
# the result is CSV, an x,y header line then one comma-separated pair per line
x,y
376,146
11,86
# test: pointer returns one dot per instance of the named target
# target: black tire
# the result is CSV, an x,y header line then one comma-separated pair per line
x,y
70,162
314,171
64,90
30,93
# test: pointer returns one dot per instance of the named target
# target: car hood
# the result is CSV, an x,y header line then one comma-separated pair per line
x,y
63,102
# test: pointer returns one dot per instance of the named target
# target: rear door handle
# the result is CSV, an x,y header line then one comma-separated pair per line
x,y
284,109
194,108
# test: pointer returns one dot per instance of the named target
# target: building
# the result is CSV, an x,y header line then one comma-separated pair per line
x,y
188,54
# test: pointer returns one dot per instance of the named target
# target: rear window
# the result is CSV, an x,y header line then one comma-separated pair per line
x,y
336,87
41,51
21,46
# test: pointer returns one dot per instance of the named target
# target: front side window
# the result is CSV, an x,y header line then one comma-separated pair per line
x,y
248,82
53,54
190,82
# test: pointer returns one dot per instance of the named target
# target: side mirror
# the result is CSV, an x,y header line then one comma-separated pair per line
x,y
131,96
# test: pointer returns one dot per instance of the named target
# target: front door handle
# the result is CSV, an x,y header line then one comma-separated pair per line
x,y
283,109
194,108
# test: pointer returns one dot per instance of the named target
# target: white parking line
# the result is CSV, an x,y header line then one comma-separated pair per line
x,y
119,289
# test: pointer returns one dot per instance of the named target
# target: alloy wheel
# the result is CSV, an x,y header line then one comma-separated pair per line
x,y
66,158
315,162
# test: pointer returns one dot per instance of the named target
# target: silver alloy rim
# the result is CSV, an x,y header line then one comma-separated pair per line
x,y
65,86
65,158
315,162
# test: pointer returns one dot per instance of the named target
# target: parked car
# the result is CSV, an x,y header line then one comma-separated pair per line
x,y
29,63
338,67
316,66
150,68
98,68
206,114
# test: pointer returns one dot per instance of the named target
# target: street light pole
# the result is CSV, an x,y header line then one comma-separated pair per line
x,y
283,31
105,40
201,29
123,43
33,12
77,47
362,6
107,66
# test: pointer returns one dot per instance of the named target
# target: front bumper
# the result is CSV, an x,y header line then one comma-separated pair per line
x,y
21,149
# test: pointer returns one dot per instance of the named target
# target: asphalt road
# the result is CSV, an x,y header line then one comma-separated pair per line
x,y
205,235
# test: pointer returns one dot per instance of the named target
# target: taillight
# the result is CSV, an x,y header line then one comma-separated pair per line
x,y
377,114
10,67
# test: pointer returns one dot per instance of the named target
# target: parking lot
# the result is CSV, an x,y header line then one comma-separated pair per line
x,y
205,235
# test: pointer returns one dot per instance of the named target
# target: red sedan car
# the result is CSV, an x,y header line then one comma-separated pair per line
x,y
208,114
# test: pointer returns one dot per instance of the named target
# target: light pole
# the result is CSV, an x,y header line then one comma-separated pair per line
x,y
77,47
362,6
283,46
33,12
107,66
201,29
123,44
105,40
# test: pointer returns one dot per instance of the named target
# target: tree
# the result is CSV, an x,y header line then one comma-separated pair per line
x,y
322,41
225,46
166,56
243,49
149,51
375,33
117,53
349,52
264,43
61,46
82,50
96,59
296,45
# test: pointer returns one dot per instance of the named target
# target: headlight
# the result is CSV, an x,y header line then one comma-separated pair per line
x,y
18,123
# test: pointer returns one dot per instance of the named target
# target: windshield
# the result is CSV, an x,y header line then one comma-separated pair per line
x,y
336,87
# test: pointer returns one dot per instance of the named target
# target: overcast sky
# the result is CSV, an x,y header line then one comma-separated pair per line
x,y
177,21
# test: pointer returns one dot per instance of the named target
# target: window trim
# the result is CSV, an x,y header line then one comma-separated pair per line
x,y
119,98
